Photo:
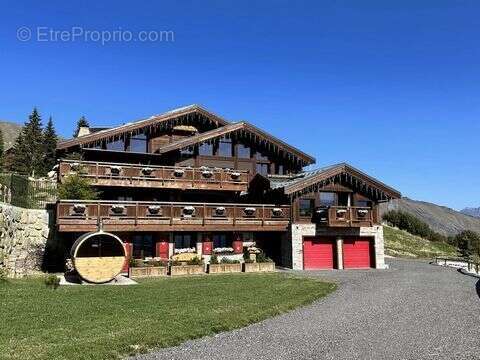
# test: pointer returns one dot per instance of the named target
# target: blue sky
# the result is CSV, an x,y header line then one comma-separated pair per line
x,y
388,86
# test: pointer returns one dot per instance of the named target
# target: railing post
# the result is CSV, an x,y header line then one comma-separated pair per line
x,y
204,213
263,215
136,213
234,214
171,214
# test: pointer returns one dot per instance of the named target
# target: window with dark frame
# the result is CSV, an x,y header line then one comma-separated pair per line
x,y
225,147
222,240
183,241
138,143
143,246
305,207
243,151
205,149
263,169
363,203
279,169
327,198
260,156
117,145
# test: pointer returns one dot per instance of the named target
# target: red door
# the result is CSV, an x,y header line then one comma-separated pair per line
x,y
318,253
357,253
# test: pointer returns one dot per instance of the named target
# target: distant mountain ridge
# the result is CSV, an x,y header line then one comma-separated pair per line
x,y
441,219
475,212
10,131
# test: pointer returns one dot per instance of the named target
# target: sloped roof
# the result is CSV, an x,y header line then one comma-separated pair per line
x,y
143,123
308,179
237,127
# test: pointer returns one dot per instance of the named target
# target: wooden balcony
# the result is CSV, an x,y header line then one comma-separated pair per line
x,y
346,216
84,216
149,176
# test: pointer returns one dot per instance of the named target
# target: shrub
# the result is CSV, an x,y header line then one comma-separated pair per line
x,y
195,261
249,261
214,259
262,258
52,281
468,243
413,225
230,261
76,187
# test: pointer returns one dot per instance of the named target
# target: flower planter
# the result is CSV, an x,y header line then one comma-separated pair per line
x,y
147,271
179,270
259,267
224,268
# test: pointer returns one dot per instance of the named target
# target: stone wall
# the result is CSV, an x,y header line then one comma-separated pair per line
x,y
23,239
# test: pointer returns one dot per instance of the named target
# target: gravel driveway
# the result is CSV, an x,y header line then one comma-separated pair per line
x,y
412,311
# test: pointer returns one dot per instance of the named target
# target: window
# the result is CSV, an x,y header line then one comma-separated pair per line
x,y
363,203
143,246
260,156
305,207
124,198
222,240
205,149
327,198
138,143
183,241
225,147
263,169
243,151
117,145
187,151
279,169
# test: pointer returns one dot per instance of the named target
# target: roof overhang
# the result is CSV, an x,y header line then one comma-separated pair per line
x,y
141,125
338,173
245,129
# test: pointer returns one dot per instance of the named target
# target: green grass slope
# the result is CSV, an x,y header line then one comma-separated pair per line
x,y
400,243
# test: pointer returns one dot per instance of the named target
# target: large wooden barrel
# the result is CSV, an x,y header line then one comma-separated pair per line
x,y
98,256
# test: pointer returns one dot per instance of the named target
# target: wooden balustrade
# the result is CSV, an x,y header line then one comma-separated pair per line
x,y
80,216
149,176
346,216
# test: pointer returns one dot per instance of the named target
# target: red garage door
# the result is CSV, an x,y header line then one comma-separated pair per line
x,y
357,253
318,253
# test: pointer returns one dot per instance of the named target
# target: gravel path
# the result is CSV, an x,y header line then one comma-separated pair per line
x,y
412,311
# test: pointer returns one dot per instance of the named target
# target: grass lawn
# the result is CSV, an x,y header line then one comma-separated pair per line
x,y
98,322
400,243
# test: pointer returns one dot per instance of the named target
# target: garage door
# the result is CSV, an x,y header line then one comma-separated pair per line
x,y
357,253
318,253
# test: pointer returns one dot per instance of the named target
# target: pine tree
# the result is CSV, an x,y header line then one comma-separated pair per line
x,y
28,148
82,122
50,145
1,151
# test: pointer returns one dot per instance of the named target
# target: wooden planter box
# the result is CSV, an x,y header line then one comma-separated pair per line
x,y
178,270
147,271
224,268
259,267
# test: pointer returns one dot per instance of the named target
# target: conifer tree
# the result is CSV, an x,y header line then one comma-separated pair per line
x,y
50,145
28,148
82,122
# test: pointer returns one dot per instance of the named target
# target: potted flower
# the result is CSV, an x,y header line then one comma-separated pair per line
x,y
362,212
188,211
220,211
118,209
147,171
277,212
224,266
207,174
148,268
223,250
235,176
249,211
154,210
194,266
79,209
178,173
115,170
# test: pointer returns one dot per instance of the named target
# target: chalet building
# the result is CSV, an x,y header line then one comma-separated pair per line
x,y
190,181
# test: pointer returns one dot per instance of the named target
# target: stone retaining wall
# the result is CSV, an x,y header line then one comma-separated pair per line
x,y
23,239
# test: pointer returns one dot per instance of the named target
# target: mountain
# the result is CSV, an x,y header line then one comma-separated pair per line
x,y
440,218
471,211
10,132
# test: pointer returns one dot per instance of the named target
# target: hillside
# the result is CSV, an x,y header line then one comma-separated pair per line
x,y
440,218
10,132
471,211
400,243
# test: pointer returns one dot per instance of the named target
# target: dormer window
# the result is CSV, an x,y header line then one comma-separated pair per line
x,y
205,149
243,151
138,143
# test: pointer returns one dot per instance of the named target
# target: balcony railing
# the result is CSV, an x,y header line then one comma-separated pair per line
x,y
149,176
346,216
80,216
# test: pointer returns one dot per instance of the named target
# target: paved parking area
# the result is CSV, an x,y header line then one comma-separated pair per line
x,y
411,311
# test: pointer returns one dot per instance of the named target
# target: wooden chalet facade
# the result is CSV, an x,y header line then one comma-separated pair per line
x,y
188,180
